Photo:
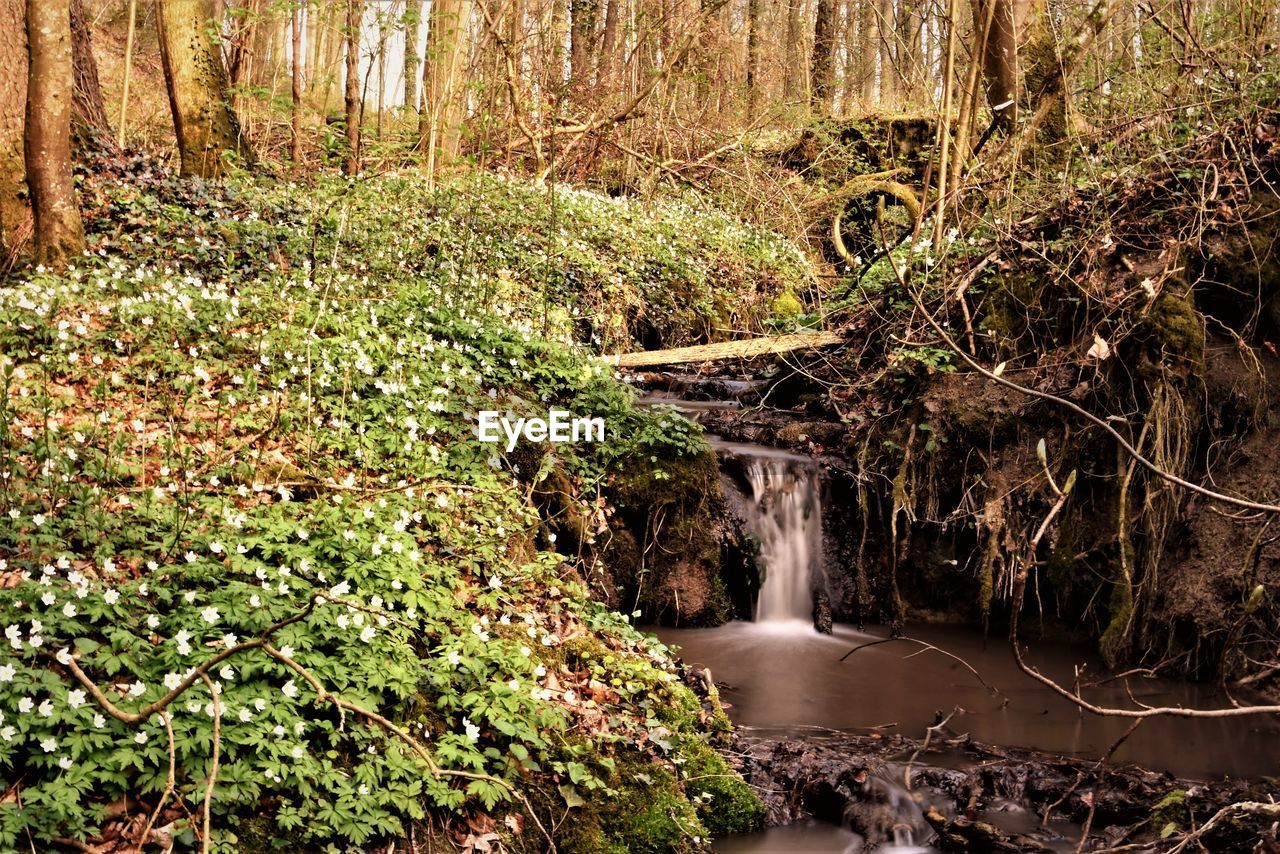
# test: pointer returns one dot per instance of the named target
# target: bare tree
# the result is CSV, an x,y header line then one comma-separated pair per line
x,y
412,51
59,232
351,87
89,123
203,120
15,217
822,64
448,42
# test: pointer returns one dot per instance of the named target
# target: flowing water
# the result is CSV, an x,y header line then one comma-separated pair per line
x,y
785,515
782,675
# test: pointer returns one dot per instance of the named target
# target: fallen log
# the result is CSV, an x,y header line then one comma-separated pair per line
x,y
742,349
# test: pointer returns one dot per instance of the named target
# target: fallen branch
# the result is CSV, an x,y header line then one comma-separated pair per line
x,y
744,349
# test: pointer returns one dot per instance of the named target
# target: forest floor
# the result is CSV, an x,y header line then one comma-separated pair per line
x,y
259,575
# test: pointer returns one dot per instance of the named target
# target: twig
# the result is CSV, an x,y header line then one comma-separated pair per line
x,y
198,672
170,782
930,647
323,695
207,837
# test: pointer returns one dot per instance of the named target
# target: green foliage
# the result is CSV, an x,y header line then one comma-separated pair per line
x,y
264,416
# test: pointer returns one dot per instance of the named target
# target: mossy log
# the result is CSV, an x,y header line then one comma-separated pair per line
x,y
745,349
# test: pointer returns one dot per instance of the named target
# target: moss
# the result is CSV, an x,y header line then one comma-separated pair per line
x,y
786,306
1115,640
1172,810
727,805
674,500
1175,329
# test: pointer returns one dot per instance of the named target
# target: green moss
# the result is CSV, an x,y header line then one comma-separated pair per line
x,y
672,498
727,805
786,306
1171,813
1175,327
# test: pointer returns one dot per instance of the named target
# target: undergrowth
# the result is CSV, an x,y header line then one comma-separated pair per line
x,y
239,480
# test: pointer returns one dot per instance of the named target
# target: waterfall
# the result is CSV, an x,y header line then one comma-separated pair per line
x,y
785,515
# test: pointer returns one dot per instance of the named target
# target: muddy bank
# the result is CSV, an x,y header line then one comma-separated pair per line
x,y
981,797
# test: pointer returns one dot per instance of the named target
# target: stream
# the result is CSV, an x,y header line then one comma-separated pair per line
x,y
779,675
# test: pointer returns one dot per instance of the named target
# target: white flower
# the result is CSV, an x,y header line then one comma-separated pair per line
x,y
140,738
210,615
48,745
69,610
495,582
7,672
246,715
255,601
570,696
290,690
75,699
442,501
215,547
137,689
63,656
64,763
48,599
172,680
227,672
111,596
367,633
8,733
153,622
45,709
286,651
453,658
99,721
229,639
473,731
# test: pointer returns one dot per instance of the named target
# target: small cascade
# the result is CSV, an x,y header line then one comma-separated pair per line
x,y
785,514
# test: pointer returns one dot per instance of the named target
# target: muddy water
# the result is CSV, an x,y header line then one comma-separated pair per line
x,y
792,677
780,674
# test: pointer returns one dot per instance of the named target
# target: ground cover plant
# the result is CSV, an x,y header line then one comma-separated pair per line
x,y
262,586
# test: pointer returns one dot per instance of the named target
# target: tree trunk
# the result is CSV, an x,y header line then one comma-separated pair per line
x,y
793,73
867,52
59,232
203,121
351,87
582,37
608,60
753,58
1000,59
15,217
822,65
412,52
888,74
90,127
295,88
908,49
444,92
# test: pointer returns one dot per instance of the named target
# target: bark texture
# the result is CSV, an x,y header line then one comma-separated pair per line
x,y
445,81
15,218
90,127
351,89
822,65
59,232
203,121
412,52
